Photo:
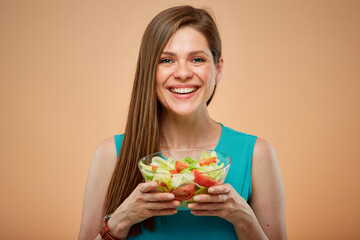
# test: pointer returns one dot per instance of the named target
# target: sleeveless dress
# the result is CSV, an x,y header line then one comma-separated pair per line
x,y
185,226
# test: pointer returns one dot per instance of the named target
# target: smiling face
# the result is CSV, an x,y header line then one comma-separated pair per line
x,y
186,74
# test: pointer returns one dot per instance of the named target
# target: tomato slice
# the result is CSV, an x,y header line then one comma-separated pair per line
x,y
184,193
173,172
207,161
164,185
202,179
153,167
180,165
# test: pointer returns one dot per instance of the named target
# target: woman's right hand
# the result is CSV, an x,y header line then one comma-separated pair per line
x,y
141,204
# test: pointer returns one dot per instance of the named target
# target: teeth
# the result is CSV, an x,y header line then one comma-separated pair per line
x,y
183,90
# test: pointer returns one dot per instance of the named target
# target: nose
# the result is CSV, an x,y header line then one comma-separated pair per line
x,y
183,71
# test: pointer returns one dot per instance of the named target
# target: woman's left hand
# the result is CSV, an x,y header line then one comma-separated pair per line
x,y
223,201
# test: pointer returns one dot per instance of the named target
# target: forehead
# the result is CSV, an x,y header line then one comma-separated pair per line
x,y
187,39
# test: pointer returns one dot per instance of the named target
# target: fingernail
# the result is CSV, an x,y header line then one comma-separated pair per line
x,y
197,198
211,190
153,184
170,196
190,205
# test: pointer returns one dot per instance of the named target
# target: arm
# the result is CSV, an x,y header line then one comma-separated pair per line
x,y
264,218
97,183
141,204
267,199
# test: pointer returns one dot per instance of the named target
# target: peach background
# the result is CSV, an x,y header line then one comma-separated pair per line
x,y
292,76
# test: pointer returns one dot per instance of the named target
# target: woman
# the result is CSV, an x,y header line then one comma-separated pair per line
x,y
178,68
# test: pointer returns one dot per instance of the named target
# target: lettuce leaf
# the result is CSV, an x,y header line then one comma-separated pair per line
x,y
162,176
181,179
188,160
148,175
215,175
162,163
204,155
170,161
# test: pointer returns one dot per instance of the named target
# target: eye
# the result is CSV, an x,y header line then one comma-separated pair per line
x,y
198,60
166,60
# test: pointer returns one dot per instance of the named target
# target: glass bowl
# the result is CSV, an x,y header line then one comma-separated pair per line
x,y
185,172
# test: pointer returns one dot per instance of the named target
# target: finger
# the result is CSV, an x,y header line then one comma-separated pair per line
x,y
147,187
163,212
206,206
211,198
155,197
218,213
220,189
162,205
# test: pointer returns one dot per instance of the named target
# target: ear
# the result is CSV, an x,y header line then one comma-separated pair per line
x,y
219,69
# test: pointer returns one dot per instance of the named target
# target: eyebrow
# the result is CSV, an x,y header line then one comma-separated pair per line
x,y
190,53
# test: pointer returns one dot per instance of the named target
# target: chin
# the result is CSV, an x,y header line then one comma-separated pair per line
x,y
183,110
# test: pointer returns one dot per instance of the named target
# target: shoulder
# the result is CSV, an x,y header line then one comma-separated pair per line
x,y
264,152
105,157
265,171
106,147
103,163
264,160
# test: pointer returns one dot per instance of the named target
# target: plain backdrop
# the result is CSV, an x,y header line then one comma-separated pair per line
x,y
291,76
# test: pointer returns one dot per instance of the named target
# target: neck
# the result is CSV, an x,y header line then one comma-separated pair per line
x,y
195,131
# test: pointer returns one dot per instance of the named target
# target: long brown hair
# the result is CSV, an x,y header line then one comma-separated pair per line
x,y
143,122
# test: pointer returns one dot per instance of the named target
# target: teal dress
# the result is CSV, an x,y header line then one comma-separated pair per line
x,y
183,225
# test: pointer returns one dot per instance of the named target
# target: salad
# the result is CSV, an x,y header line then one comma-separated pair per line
x,y
186,177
